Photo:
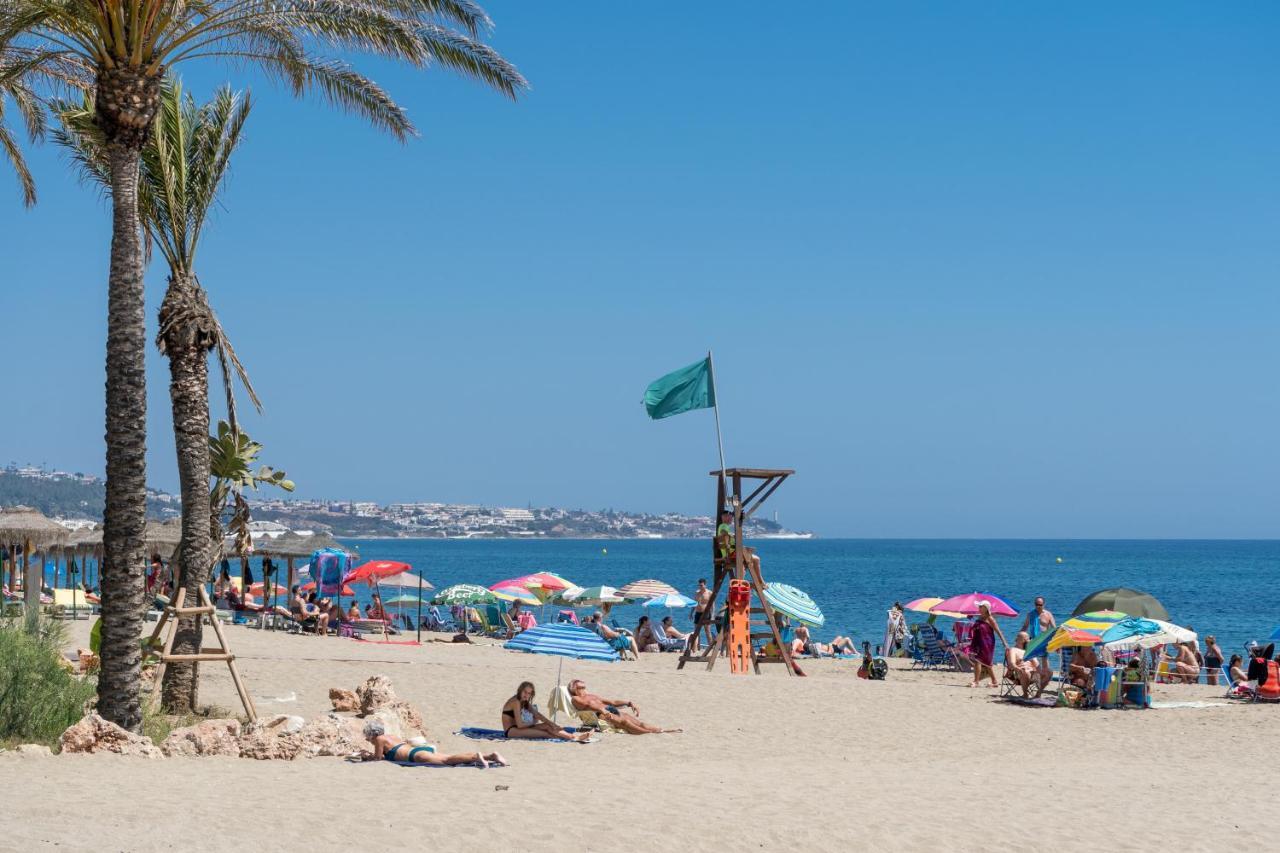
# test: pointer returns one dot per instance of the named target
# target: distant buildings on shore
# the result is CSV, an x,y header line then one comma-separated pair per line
x,y
424,519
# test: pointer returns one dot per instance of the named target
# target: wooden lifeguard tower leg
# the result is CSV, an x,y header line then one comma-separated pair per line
x,y
205,610
740,569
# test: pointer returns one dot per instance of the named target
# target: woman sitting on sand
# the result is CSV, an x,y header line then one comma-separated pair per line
x,y
388,748
522,719
1186,666
644,635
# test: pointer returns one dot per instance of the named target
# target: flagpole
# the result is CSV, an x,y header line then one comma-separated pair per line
x,y
711,369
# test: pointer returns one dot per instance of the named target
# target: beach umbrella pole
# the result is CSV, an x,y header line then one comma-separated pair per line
x,y
419,620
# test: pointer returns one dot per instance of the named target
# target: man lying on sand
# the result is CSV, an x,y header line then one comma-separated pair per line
x,y
386,747
610,710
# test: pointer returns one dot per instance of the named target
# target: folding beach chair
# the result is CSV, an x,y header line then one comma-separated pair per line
x,y
933,654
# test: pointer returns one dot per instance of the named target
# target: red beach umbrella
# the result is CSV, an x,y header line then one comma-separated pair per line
x,y
375,571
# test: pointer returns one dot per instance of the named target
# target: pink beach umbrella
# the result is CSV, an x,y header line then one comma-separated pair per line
x,y
968,604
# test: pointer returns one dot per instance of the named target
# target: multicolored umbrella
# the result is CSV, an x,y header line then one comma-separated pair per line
x,y
550,582
795,603
1146,633
645,589
670,601
926,605
1094,623
593,596
564,640
463,593
967,604
515,593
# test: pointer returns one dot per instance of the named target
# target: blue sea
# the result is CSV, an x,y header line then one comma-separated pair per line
x,y
1225,588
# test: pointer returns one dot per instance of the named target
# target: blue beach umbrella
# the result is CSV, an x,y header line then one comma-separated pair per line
x,y
795,603
563,640
1275,635
670,601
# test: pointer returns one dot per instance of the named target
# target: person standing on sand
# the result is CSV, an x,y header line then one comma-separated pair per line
x,y
1037,621
982,645
701,618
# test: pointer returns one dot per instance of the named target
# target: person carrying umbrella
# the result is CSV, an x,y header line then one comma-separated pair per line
x,y
982,644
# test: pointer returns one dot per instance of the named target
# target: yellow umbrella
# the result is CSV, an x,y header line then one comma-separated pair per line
x,y
514,593
923,605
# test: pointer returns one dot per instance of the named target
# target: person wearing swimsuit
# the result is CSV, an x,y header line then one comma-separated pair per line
x,y
522,720
387,748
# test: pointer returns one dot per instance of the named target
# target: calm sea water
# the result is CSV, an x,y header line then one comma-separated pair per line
x,y
1225,588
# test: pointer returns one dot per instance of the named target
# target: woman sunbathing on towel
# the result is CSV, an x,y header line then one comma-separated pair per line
x,y
385,747
522,719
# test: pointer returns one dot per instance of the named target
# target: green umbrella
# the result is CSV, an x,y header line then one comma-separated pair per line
x,y
1122,599
594,596
464,593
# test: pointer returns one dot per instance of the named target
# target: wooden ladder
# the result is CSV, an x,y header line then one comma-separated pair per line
x,y
222,652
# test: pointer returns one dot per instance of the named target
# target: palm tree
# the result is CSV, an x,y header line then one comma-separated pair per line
x,y
182,169
122,49
16,88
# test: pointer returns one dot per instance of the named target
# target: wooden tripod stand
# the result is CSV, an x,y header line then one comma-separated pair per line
x,y
737,637
205,610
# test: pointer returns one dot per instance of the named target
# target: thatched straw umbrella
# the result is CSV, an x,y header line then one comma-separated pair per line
x,y
25,529
164,537
294,546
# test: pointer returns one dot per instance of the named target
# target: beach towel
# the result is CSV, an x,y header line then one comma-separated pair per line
x,y
420,764
560,701
496,734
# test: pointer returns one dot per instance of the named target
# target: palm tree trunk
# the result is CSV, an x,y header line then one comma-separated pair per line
x,y
186,337
124,518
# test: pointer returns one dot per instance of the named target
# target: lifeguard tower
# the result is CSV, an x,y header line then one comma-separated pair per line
x,y
748,616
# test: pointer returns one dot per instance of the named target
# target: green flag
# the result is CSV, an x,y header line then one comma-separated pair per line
x,y
681,391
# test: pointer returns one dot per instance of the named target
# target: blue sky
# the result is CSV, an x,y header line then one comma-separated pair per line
x,y
972,268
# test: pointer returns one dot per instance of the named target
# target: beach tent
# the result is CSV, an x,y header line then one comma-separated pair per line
x,y
328,567
1122,599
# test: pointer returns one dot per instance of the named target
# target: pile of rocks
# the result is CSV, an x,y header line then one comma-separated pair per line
x,y
337,733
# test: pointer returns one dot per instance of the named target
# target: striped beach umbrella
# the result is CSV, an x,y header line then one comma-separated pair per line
x,y
646,589
564,640
795,603
463,593
514,593
670,601
1095,623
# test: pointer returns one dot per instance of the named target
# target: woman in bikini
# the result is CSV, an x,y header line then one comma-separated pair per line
x,y
388,748
522,719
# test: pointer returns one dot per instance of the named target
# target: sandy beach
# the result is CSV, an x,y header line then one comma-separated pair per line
x,y
828,762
